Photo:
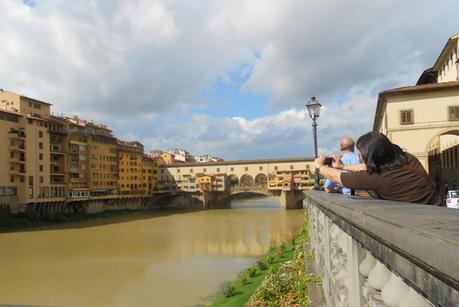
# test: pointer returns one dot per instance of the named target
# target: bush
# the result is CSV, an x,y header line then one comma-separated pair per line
x,y
270,259
229,291
282,247
251,272
262,265
244,280
280,252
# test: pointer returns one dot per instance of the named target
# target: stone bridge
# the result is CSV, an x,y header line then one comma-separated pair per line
x,y
250,189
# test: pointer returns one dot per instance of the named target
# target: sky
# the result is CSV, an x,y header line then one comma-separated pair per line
x,y
226,78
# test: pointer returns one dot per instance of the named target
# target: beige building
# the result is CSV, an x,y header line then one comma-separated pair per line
x,y
424,119
33,168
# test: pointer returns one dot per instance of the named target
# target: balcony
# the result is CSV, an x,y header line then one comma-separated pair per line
x,y
18,171
56,149
55,173
17,134
17,160
382,253
17,147
61,131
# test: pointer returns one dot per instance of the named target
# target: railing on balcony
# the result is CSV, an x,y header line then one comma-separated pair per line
x,y
381,253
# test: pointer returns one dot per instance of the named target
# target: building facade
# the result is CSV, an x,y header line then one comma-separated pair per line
x,y
130,155
424,119
241,173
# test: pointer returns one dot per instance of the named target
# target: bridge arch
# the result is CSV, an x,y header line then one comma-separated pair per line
x,y
261,180
246,181
233,180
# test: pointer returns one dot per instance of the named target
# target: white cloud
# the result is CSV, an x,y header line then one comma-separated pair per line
x,y
133,63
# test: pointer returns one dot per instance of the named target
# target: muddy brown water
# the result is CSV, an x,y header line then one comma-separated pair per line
x,y
141,259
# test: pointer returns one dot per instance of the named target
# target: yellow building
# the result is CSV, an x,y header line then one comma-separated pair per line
x,y
203,182
78,160
424,119
148,180
167,158
30,171
130,156
102,161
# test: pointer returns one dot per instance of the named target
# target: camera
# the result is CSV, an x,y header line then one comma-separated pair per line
x,y
328,161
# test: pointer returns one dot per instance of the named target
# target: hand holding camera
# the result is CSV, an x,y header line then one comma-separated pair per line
x,y
333,161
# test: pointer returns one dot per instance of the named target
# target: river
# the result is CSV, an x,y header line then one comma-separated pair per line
x,y
140,259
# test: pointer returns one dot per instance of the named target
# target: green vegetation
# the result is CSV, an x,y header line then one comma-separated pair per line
x,y
277,279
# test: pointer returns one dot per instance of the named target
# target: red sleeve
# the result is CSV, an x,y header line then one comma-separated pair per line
x,y
360,180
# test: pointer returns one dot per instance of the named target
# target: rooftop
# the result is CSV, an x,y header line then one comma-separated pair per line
x,y
430,87
257,161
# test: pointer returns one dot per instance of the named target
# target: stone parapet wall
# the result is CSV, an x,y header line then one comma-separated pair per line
x,y
381,253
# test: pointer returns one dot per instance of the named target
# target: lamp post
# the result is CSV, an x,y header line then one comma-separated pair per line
x,y
313,107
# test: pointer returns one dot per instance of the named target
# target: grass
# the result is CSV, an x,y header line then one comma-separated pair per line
x,y
278,279
245,285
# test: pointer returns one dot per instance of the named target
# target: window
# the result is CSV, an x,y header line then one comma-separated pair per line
x,y
307,166
178,171
40,168
30,180
260,168
246,168
40,145
453,113
203,170
12,179
232,169
275,168
41,179
406,117
40,134
191,171
40,156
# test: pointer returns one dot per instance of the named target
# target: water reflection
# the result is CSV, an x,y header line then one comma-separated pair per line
x,y
171,260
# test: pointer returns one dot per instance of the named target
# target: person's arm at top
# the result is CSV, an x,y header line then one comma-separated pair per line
x,y
328,172
338,164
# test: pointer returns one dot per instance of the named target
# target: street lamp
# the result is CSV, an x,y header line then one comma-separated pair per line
x,y
313,107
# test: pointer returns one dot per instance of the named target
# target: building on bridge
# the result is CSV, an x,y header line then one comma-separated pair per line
x,y
263,173
291,180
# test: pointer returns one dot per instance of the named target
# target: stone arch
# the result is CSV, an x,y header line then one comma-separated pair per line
x,y
451,131
233,180
261,180
438,157
246,180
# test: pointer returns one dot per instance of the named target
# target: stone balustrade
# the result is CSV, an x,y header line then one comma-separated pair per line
x,y
379,253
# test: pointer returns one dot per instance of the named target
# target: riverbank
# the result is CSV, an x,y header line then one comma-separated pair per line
x,y
17,222
279,278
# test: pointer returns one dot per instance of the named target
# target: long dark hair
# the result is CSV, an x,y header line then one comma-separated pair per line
x,y
379,154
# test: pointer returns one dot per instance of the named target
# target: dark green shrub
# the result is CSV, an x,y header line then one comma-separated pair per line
x,y
270,259
229,291
280,252
252,271
262,265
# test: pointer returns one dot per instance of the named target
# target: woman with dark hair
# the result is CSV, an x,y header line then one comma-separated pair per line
x,y
386,170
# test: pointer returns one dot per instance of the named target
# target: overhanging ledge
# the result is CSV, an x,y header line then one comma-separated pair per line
x,y
417,242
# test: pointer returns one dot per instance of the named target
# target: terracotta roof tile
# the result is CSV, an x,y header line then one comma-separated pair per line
x,y
420,88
